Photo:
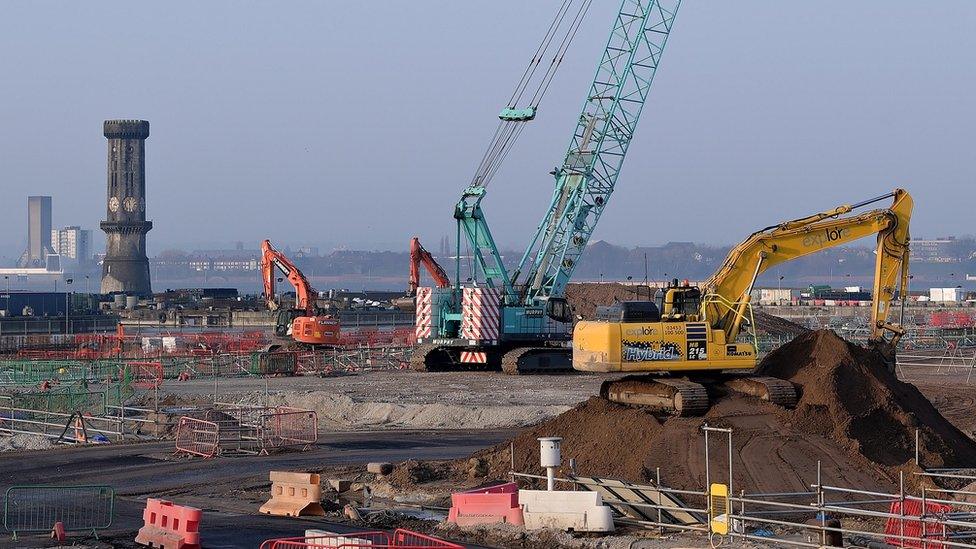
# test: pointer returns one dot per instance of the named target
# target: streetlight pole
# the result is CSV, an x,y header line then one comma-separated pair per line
x,y
67,307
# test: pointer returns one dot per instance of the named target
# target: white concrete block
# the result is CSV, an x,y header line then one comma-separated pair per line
x,y
577,511
326,539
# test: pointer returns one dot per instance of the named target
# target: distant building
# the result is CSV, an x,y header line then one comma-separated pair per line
x,y
73,243
934,250
38,232
215,260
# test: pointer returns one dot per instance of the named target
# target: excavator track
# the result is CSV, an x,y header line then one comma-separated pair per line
x,y
679,397
775,390
538,360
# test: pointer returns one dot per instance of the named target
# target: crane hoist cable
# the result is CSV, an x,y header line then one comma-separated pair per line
x,y
513,119
540,52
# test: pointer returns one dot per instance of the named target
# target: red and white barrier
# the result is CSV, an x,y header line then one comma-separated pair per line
x,y
423,318
399,539
480,314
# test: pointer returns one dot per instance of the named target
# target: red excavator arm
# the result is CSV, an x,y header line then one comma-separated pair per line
x,y
304,293
420,255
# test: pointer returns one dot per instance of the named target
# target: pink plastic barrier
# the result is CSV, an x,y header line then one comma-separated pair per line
x,y
490,505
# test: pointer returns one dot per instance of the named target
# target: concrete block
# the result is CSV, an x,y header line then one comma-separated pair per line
x,y
325,538
379,468
577,511
340,485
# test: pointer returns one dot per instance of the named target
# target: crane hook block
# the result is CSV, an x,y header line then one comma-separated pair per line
x,y
517,115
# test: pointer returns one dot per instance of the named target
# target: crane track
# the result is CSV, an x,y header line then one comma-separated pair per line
x,y
418,359
517,361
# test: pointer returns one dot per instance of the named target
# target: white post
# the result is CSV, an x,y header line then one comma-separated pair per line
x,y
549,458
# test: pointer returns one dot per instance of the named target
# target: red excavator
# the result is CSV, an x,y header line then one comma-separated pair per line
x,y
304,323
420,256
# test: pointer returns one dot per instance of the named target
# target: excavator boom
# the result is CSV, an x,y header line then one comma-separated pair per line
x,y
419,255
794,239
304,293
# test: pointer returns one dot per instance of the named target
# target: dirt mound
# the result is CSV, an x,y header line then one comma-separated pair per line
x,y
853,416
848,394
586,297
777,326
589,431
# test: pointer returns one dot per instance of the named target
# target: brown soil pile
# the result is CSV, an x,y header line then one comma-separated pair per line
x,y
777,326
586,297
596,433
848,395
853,416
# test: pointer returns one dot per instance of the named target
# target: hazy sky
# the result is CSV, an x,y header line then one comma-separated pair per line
x,y
359,123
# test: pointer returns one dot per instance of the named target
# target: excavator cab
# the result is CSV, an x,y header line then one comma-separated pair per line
x,y
283,321
680,303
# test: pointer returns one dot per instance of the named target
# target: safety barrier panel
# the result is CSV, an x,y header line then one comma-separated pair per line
x,y
197,437
294,426
491,505
170,526
39,508
294,494
914,526
399,539
247,429
274,363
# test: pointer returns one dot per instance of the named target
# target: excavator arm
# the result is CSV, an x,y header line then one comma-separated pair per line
x,y
764,249
419,255
304,293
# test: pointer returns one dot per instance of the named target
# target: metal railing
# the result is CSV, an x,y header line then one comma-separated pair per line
x,y
934,518
77,508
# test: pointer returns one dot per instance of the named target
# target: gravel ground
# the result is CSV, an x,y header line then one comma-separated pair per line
x,y
402,398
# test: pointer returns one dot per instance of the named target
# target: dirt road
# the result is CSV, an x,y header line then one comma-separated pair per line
x,y
228,489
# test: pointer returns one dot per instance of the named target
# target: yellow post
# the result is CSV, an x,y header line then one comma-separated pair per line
x,y
718,509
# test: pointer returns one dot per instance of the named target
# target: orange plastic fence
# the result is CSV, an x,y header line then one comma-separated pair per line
x,y
928,532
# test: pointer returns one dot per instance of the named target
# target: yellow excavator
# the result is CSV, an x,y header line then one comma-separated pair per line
x,y
696,341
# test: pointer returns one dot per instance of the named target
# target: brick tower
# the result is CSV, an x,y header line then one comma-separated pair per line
x,y
126,267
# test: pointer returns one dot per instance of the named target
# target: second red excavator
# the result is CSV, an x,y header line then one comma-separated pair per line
x,y
420,256
304,323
